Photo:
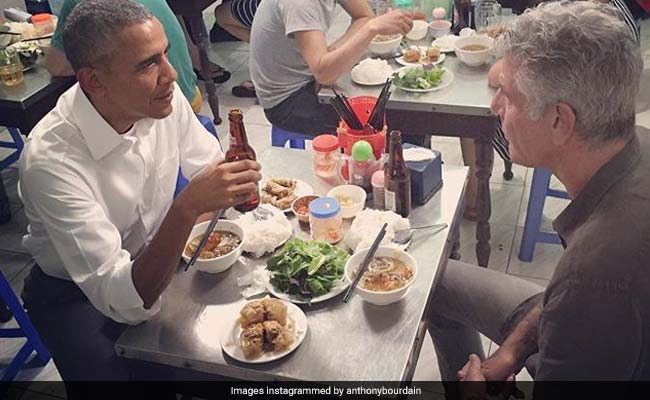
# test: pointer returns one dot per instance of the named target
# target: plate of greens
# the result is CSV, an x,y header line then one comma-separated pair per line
x,y
423,78
307,271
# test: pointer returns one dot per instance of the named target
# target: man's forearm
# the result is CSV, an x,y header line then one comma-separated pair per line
x,y
354,27
155,267
335,63
522,341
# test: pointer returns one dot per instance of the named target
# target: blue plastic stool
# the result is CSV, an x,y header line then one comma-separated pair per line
x,y
16,143
181,181
279,137
25,329
538,192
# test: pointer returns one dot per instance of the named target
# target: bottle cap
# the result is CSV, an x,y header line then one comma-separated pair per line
x,y
377,179
362,151
324,207
325,143
40,18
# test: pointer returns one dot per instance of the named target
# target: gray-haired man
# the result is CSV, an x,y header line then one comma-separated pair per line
x,y
566,98
97,177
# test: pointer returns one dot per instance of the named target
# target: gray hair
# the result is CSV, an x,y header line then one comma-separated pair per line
x,y
581,53
91,29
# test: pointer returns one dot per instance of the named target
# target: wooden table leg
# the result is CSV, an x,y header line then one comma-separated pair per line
x,y
484,159
199,35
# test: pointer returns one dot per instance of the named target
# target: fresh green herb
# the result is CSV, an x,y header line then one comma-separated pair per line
x,y
307,269
419,77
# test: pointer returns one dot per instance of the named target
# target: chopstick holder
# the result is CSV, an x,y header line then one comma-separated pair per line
x,y
364,264
204,239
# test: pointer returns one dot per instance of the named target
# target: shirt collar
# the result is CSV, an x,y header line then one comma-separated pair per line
x,y
597,187
99,136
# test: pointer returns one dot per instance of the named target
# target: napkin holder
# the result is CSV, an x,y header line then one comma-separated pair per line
x,y
426,176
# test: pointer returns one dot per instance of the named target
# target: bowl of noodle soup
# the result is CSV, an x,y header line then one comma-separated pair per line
x,y
389,276
222,249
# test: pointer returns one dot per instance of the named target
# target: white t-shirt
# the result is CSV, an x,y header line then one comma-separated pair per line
x,y
95,198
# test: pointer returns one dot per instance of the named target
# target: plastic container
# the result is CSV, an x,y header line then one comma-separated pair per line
x,y
325,220
362,165
378,190
362,106
43,24
327,155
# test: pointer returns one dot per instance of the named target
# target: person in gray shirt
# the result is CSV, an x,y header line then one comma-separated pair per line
x,y
567,101
290,57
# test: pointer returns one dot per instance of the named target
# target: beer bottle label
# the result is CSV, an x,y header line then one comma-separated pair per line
x,y
389,199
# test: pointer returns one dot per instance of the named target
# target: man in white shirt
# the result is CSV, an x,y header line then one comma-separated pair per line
x,y
97,179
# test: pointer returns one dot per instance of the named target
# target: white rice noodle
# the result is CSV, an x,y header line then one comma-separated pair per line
x,y
262,237
367,225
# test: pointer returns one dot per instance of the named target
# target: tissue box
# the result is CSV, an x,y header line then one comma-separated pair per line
x,y
426,176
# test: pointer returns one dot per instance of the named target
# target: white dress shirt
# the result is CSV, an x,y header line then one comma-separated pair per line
x,y
95,198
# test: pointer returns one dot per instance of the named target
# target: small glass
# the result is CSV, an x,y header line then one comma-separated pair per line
x,y
11,69
487,15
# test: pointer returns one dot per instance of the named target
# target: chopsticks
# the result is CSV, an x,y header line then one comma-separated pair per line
x,y
344,109
365,262
378,111
204,239
10,33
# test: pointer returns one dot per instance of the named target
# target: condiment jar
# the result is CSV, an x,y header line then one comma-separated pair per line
x,y
327,154
362,165
325,220
378,190
43,24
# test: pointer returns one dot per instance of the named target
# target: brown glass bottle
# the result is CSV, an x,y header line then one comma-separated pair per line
x,y
397,178
241,150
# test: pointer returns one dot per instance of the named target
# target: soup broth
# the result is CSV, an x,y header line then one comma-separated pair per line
x,y
474,47
385,274
219,244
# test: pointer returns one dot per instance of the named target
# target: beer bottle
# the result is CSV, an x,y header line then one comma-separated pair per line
x,y
241,150
397,178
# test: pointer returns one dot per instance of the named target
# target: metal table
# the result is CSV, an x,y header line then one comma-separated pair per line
x,y
460,110
192,13
196,306
22,106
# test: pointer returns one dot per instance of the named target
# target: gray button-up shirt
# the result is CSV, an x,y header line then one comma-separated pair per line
x,y
595,323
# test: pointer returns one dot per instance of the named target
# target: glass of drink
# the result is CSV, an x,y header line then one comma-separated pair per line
x,y
11,69
487,15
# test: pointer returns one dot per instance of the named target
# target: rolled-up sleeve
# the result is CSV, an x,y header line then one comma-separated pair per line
x,y
89,245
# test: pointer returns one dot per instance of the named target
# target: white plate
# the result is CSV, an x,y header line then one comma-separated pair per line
x,y
336,290
230,343
354,75
400,60
302,189
447,79
444,49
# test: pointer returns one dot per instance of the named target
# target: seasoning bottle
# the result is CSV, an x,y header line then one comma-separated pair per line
x,y
397,178
325,220
362,165
43,24
378,190
241,150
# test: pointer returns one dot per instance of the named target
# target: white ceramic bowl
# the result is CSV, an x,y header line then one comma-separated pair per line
x,y
217,264
440,27
381,298
385,47
474,58
356,193
419,30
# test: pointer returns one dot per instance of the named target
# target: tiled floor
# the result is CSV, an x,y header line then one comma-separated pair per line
x,y
509,201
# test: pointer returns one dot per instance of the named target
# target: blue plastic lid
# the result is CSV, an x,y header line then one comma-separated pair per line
x,y
324,207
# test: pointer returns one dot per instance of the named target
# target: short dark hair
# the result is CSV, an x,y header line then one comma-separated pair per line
x,y
91,28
